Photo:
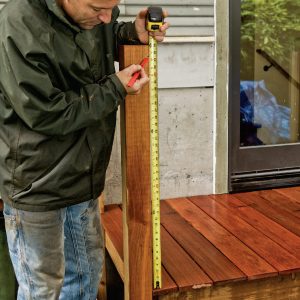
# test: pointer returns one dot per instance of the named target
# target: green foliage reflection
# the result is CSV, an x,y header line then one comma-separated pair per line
x,y
270,25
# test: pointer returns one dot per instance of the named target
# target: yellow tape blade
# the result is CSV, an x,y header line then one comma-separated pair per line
x,y
155,176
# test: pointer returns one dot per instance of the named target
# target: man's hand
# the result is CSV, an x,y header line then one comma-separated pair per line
x,y
126,74
143,34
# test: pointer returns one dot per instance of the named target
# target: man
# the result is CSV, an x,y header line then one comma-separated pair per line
x,y
58,102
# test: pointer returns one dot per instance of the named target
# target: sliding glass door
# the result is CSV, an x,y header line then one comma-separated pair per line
x,y
264,93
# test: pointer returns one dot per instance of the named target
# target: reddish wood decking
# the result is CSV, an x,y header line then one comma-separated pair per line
x,y
212,240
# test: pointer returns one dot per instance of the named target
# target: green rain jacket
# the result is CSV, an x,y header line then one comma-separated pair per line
x,y
58,100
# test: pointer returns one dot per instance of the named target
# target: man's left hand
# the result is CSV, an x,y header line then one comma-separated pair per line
x,y
143,34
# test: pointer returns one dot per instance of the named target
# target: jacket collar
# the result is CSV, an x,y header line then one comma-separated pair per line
x,y
60,14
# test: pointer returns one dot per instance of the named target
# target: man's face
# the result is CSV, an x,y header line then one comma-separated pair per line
x,y
89,13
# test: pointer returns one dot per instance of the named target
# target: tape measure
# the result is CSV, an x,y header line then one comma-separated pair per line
x,y
154,21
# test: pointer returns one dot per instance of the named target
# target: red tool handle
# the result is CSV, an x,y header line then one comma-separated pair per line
x,y
136,75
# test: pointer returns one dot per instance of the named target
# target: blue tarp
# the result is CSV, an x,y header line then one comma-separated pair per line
x,y
259,108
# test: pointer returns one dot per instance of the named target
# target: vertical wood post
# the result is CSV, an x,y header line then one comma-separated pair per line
x,y
137,234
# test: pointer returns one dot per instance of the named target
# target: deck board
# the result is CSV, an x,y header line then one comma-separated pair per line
x,y
276,232
243,257
291,194
283,200
272,252
183,269
112,224
224,240
212,261
270,210
169,284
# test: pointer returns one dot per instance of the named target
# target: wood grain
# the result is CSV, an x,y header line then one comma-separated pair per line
x,y
292,194
242,256
112,223
275,213
276,288
135,140
183,269
168,284
217,266
270,251
285,200
212,244
276,232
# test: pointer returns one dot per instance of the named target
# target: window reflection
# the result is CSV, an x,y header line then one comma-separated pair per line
x,y
270,72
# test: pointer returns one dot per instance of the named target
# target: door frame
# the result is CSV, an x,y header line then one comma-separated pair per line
x,y
221,103
249,167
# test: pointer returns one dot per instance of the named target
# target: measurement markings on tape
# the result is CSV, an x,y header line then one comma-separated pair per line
x,y
155,176
155,19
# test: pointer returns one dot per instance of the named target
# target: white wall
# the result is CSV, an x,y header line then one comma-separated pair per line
x,y
186,79
186,101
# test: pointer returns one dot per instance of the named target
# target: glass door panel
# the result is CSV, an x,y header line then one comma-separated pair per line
x,y
264,88
269,72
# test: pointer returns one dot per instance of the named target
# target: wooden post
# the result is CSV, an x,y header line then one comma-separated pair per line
x,y
137,235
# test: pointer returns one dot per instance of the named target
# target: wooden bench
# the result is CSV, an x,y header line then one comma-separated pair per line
x,y
241,246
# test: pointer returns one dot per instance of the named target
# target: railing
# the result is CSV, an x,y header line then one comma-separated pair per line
x,y
274,64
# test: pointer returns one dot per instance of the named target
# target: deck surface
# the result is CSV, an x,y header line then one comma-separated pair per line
x,y
207,240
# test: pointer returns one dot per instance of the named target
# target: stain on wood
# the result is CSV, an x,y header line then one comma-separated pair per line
x,y
233,247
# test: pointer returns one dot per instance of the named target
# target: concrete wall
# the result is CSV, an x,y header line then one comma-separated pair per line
x,y
186,101
186,108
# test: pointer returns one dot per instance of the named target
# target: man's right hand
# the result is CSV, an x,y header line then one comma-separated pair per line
x,y
126,74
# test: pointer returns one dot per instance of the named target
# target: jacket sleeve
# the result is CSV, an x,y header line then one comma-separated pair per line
x,y
47,109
